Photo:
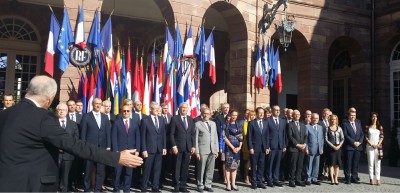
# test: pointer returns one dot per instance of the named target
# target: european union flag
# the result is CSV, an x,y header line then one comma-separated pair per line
x,y
65,38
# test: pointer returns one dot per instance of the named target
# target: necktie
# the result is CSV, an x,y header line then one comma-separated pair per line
x,y
185,123
297,125
72,117
166,119
126,126
209,127
276,122
63,124
315,127
260,125
156,123
354,127
98,119
326,123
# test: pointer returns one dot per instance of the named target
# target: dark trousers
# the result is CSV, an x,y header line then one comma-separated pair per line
x,y
152,165
126,172
296,165
181,169
164,166
257,167
351,169
274,163
99,175
65,178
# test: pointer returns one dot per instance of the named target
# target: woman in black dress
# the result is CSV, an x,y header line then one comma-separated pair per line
x,y
334,138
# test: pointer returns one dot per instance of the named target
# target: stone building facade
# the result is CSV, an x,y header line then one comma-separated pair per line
x,y
343,53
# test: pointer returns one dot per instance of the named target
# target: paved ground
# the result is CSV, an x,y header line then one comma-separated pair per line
x,y
390,180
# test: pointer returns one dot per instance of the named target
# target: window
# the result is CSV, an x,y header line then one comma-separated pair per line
x,y
395,86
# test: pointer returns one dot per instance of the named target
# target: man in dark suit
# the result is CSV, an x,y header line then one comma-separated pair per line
x,y
72,114
66,159
354,137
107,111
277,144
167,162
137,110
125,135
297,142
96,130
257,139
31,137
153,146
109,173
323,173
7,100
79,107
182,138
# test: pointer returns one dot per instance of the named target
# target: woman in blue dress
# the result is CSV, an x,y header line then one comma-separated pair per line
x,y
233,144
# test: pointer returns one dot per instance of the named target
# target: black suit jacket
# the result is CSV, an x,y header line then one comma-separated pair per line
x,y
153,140
277,135
78,117
30,139
91,132
350,137
295,136
72,129
179,136
122,140
256,139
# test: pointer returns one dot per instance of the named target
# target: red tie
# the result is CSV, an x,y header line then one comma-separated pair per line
x,y
126,126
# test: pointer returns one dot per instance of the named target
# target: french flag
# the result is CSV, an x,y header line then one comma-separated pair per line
x,y
259,78
278,81
181,89
211,57
188,50
51,45
80,30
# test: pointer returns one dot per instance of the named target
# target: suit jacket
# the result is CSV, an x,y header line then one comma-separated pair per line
x,y
122,140
277,135
198,118
30,141
351,137
72,129
101,137
78,117
295,136
206,141
220,121
257,139
153,140
315,139
183,138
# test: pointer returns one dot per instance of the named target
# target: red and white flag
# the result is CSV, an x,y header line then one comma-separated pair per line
x,y
51,45
80,30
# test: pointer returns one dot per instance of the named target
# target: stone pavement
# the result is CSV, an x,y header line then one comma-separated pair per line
x,y
390,179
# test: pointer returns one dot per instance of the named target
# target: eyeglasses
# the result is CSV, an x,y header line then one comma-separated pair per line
x,y
126,111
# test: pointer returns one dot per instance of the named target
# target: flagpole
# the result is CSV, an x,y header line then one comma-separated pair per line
x,y
50,8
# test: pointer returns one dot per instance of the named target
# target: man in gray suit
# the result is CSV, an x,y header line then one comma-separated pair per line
x,y
315,148
206,150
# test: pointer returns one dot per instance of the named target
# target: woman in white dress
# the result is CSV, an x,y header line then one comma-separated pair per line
x,y
374,138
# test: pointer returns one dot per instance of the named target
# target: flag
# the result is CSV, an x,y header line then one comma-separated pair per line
x,y
84,93
94,38
178,50
80,30
51,45
128,74
168,50
64,39
192,95
181,89
122,77
100,80
258,79
146,97
106,41
151,74
158,83
168,95
188,50
210,53
278,81
80,86
141,79
266,65
200,51
116,98
135,86
273,68
91,92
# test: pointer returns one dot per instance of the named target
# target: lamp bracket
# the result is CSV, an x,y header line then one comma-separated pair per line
x,y
269,15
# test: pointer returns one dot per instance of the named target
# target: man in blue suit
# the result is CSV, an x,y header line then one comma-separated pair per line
x,y
125,135
354,137
276,144
315,148
153,146
257,139
96,130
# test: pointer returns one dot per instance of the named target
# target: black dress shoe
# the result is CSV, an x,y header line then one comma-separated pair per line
x,y
307,183
200,190
270,184
183,190
355,181
176,189
292,184
253,186
261,186
155,190
348,182
300,183
316,183
208,189
279,184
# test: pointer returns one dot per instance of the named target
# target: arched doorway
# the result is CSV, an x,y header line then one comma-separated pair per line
x,y
19,55
230,39
395,86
